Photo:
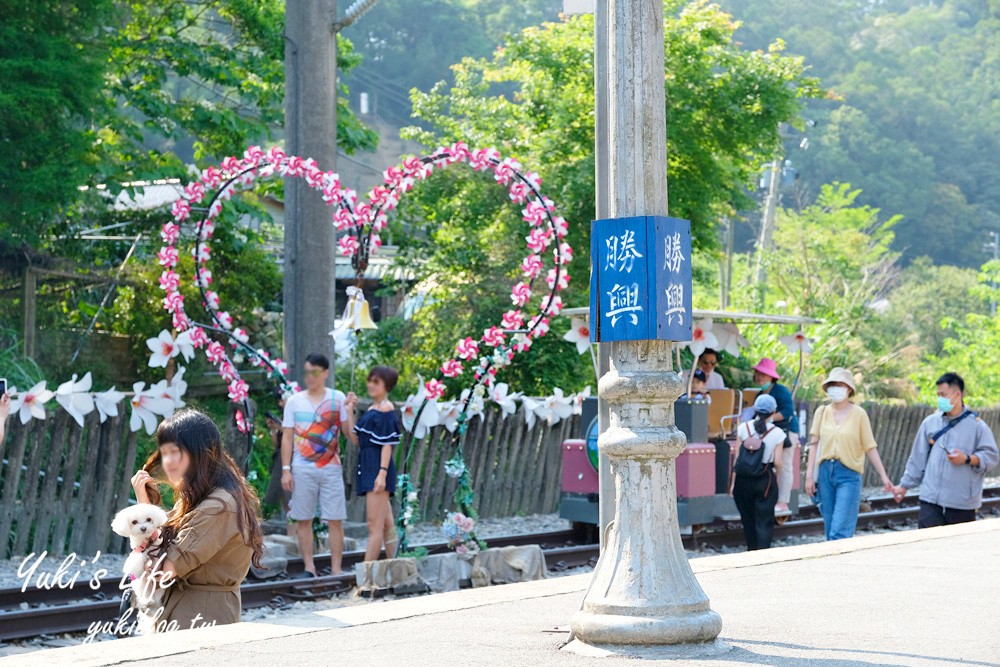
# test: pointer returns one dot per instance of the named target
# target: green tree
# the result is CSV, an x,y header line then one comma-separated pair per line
x,y
532,99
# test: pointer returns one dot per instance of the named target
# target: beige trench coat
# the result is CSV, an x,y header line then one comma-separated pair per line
x,y
211,559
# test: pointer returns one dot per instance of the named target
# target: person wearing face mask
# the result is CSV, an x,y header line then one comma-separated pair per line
x,y
765,376
755,483
840,439
951,453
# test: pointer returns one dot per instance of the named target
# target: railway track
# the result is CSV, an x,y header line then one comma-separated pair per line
x,y
54,611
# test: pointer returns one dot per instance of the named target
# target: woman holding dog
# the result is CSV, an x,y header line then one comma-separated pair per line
x,y
213,533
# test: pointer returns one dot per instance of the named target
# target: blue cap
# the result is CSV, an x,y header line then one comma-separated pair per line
x,y
765,405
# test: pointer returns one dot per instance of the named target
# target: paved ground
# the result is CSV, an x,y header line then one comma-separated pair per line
x,y
912,598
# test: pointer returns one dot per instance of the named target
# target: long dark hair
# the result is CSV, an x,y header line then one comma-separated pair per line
x,y
760,422
210,467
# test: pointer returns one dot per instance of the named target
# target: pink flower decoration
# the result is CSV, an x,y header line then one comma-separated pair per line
x,y
519,191
194,191
531,266
535,213
451,368
215,352
198,337
460,150
561,227
539,239
435,389
211,177
180,321
276,156
227,371
348,245
181,209
241,335
467,349
512,319
167,256
201,253
493,337
231,164
520,294
226,320
238,390
174,302
564,255
170,232
204,277
563,279
211,300
254,155
555,305
293,166
343,219
169,280
241,422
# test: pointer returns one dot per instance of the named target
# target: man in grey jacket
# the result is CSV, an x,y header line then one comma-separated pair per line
x,y
951,454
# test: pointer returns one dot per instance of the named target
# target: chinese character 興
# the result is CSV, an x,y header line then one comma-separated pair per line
x,y
623,300
675,304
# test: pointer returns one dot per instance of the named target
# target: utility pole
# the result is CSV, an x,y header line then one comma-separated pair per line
x,y
767,228
994,245
311,28
643,591
310,131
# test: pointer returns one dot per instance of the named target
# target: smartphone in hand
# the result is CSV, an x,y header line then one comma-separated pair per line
x,y
3,386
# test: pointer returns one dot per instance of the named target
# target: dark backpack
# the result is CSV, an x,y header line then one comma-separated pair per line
x,y
750,459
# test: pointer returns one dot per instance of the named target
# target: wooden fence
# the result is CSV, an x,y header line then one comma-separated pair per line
x,y
61,484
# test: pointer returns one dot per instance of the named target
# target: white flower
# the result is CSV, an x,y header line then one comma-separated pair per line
x,y
177,388
75,397
145,407
163,348
31,403
531,407
499,395
729,338
579,333
702,338
798,342
184,344
555,407
429,416
578,400
107,403
476,406
449,415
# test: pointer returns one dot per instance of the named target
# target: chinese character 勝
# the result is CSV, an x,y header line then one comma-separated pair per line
x,y
622,252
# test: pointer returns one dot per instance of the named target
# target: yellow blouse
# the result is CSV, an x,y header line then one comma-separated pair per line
x,y
847,442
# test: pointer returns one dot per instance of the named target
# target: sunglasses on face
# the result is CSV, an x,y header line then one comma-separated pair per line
x,y
315,372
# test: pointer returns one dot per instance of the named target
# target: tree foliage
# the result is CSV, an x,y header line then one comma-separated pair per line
x,y
917,126
533,100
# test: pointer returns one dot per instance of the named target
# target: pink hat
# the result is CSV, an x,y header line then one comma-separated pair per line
x,y
768,368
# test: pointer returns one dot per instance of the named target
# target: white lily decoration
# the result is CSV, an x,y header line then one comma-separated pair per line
x,y
107,403
578,399
477,406
185,344
556,407
163,348
798,342
31,403
531,407
146,406
178,387
579,333
449,415
501,396
729,338
702,338
429,418
75,397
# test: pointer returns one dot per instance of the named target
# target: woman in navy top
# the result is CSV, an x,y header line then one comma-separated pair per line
x,y
375,434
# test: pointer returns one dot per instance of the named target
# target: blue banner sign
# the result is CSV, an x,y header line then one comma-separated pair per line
x,y
640,283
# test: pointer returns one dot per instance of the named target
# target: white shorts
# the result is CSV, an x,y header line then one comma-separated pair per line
x,y
317,486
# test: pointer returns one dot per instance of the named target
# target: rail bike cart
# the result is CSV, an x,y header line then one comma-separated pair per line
x,y
704,468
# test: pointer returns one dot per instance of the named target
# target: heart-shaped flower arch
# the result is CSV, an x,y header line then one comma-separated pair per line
x,y
361,224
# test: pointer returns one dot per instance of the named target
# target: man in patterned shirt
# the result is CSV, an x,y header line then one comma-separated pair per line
x,y
310,461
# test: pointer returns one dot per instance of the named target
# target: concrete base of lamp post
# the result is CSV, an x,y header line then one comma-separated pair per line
x,y
643,591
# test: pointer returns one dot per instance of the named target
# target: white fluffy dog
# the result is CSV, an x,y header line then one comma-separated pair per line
x,y
141,525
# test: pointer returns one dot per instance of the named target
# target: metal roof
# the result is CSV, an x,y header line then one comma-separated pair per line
x,y
749,318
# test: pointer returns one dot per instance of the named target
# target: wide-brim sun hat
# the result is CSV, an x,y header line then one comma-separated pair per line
x,y
768,368
841,375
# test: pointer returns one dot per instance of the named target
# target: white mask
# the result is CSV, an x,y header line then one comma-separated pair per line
x,y
837,394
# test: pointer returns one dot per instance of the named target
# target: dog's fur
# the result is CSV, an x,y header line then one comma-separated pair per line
x,y
138,523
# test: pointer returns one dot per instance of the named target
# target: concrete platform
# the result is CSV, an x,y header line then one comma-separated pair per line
x,y
911,598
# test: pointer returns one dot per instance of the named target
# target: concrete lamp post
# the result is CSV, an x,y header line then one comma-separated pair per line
x,y
643,590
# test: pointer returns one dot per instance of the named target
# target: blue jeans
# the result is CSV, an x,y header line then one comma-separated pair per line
x,y
839,491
